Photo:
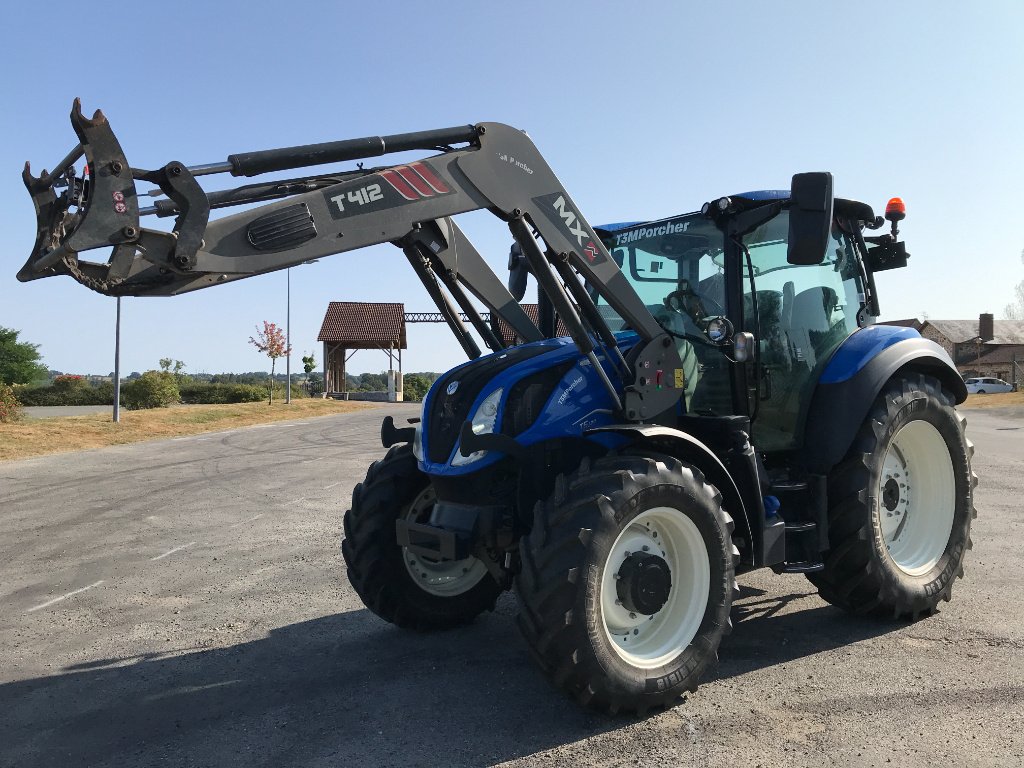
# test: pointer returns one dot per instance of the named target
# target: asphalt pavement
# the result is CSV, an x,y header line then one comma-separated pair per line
x,y
183,603
57,411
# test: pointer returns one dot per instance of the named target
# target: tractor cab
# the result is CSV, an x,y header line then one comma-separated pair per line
x,y
711,278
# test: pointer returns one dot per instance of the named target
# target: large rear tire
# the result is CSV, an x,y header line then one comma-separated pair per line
x,y
901,505
409,590
627,581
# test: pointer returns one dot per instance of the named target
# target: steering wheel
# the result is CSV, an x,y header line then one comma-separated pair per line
x,y
687,301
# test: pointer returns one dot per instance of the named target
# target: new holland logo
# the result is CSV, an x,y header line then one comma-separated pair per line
x,y
452,388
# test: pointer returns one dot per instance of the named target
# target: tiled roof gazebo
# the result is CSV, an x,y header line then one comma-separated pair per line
x,y
350,326
509,337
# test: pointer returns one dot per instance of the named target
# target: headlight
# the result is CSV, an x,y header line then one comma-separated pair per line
x,y
417,442
483,424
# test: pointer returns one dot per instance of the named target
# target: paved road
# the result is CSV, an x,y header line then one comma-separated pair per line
x,y
54,411
182,603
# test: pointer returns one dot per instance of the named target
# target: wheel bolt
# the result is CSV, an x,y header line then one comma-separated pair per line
x,y
632,615
646,548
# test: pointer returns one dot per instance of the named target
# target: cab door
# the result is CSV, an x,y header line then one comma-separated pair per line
x,y
799,315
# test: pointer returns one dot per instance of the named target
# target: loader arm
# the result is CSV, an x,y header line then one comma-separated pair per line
x,y
498,168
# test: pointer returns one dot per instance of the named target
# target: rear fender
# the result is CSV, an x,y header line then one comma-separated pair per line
x,y
848,387
689,449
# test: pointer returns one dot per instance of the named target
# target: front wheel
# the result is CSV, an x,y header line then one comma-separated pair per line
x,y
901,505
626,582
407,589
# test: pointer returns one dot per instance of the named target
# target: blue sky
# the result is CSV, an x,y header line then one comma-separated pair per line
x,y
643,109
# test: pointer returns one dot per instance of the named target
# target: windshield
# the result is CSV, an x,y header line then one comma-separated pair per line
x,y
674,265
837,277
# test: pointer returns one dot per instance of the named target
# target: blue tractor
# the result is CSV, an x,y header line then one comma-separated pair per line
x,y
697,396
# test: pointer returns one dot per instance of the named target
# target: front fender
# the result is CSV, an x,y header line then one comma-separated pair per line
x,y
688,448
852,380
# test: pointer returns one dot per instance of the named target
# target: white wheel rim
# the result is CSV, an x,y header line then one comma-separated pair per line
x,y
652,641
443,578
916,497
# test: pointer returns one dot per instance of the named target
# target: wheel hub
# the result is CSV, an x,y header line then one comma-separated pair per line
x,y
891,494
644,583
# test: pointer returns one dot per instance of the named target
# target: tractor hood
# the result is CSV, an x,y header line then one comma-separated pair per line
x,y
531,393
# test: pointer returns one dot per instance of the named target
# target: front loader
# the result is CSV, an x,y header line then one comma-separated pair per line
x,y
723,400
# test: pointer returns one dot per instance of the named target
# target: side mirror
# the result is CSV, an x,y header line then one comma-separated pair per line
x,y
810,217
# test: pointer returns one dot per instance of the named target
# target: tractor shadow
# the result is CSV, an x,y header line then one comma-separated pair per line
x,y
771,629
349,690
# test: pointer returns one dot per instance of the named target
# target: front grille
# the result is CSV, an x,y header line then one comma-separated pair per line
x,y
449,412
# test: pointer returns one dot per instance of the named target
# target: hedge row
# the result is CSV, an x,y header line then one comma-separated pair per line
x,y
198,392
155,389
78,394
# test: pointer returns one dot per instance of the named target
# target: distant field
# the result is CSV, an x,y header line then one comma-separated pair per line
x,y
36,437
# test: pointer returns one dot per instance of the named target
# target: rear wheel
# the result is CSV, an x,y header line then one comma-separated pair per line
x,y
901,505
627,581
404,588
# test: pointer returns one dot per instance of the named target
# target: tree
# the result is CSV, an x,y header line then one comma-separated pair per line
x,y
1015,310
373,382
19,360
414,387
270,341
173,367
308,364
167,363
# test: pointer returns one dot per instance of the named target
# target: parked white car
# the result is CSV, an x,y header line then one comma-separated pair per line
x,y
981,386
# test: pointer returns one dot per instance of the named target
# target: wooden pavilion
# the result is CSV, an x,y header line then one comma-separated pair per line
x,y
350,326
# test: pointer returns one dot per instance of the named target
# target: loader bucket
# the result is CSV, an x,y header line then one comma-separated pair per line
x,y
96,209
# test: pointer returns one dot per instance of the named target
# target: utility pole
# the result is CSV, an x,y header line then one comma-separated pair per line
x,y
117,364
288,341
